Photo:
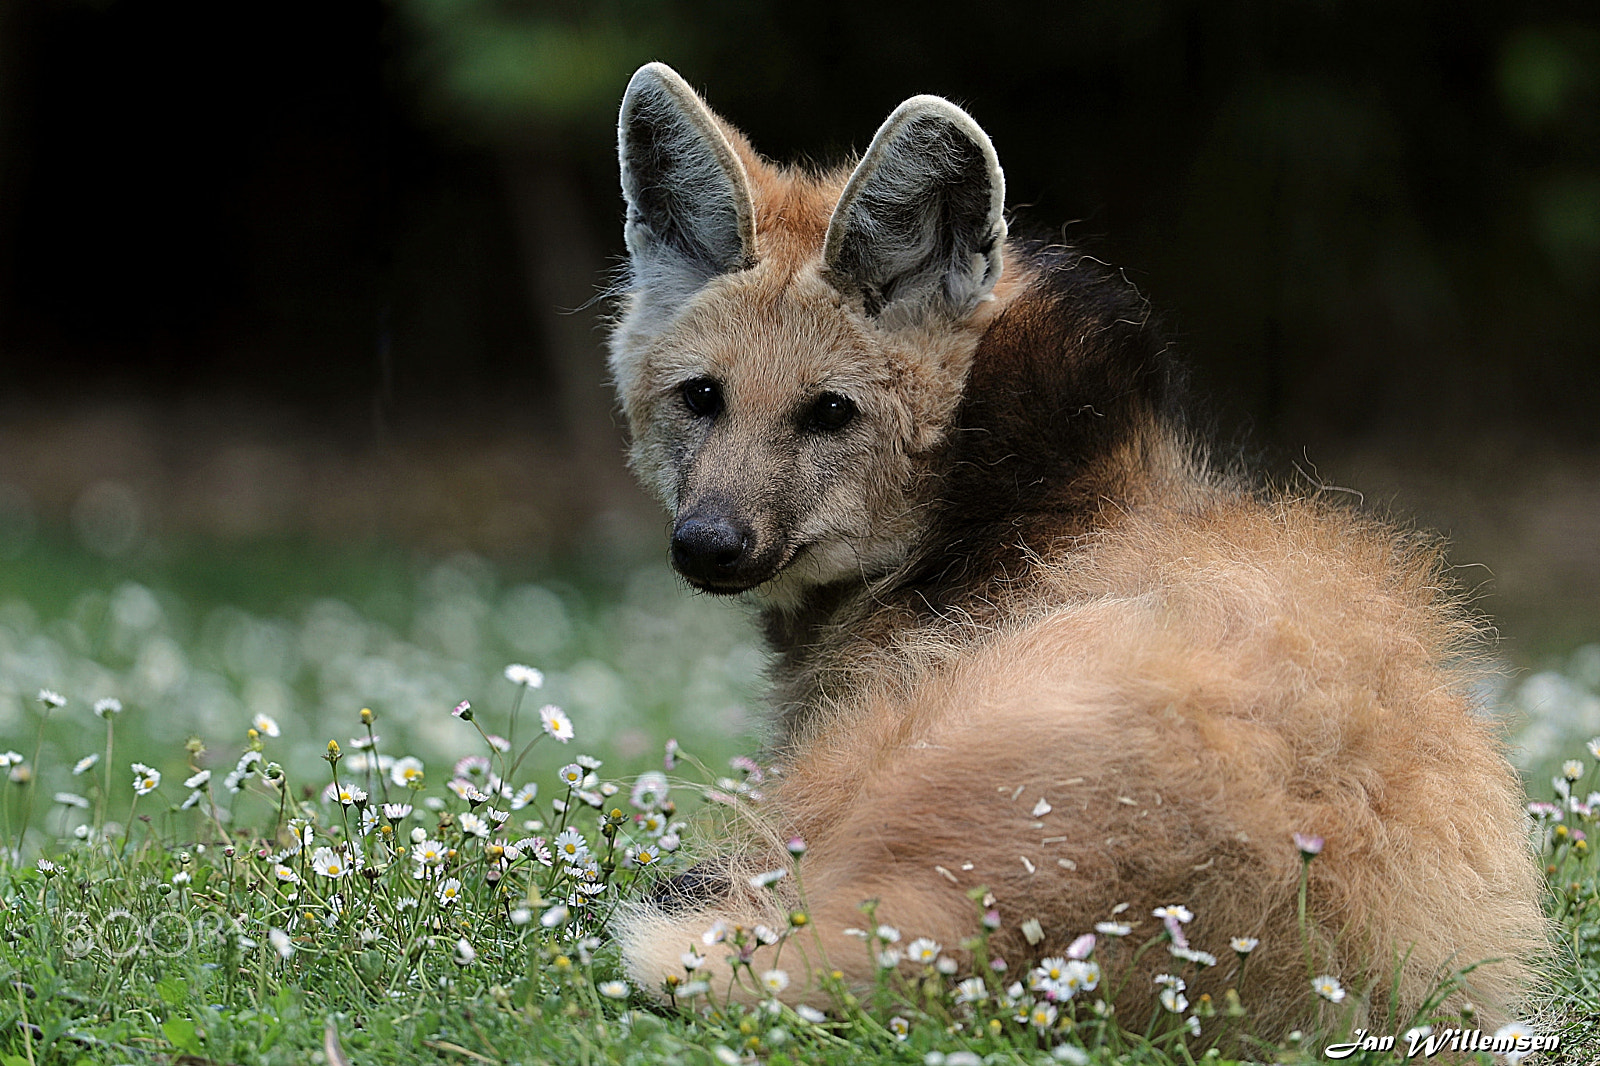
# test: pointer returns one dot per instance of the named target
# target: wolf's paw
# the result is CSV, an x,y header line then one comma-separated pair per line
x,y
695,889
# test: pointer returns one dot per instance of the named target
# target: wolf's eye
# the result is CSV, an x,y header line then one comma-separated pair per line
x,y
703,397
830,412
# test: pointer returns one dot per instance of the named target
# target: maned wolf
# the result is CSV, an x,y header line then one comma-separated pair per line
x,y
1025,636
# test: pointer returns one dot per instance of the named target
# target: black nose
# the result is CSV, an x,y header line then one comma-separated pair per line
x,y
707,549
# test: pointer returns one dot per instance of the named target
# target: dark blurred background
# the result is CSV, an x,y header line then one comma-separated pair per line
x,y
328,269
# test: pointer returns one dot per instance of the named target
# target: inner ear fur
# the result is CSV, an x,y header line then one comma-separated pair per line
x,y
690,212
920,226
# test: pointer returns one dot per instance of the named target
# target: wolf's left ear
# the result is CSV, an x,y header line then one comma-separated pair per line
x,y
690,214
920,225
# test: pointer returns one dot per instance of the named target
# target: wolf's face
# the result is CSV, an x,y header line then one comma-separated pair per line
x,y
791,345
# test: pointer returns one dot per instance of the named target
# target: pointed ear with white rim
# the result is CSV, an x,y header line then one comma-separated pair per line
x,y
920,226
690,213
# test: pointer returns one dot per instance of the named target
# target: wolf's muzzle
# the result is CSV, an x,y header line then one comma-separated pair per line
x,y
716,553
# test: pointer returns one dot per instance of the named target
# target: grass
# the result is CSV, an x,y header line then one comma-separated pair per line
x,y
253,917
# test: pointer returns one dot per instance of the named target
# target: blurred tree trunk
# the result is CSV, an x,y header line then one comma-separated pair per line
x,y
563,266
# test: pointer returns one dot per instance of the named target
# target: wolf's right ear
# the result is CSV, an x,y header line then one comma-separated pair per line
x,y
690,213
920,225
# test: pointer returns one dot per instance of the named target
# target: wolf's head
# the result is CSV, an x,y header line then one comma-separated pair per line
x,y
792,344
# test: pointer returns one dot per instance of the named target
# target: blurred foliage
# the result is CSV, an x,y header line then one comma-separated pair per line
x,y
500,64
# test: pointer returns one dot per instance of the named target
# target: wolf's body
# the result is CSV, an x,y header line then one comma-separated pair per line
x,y
996,571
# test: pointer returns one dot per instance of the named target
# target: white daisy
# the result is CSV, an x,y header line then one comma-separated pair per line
x,y
406,772
146,779
518,674
108,707
1328,987
266,725
328,863
650,791
972,990
613,989
1516,1031
555,722
571,846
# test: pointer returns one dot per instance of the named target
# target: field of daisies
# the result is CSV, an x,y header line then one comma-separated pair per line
x,y
377,808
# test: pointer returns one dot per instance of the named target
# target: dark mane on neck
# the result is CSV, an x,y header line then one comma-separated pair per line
x,y
1069,390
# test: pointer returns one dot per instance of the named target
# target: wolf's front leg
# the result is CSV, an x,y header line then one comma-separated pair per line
x,y
713,924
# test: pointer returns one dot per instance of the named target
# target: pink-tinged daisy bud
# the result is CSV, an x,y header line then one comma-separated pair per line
x,y
1081,947
991,919
1310,846
463,711
797,846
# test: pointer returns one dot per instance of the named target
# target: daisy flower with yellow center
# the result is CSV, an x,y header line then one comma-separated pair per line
x,y
328,863
146,779
406,772
555,722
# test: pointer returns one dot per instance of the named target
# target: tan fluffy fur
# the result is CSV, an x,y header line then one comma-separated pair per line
x,y
1186,670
